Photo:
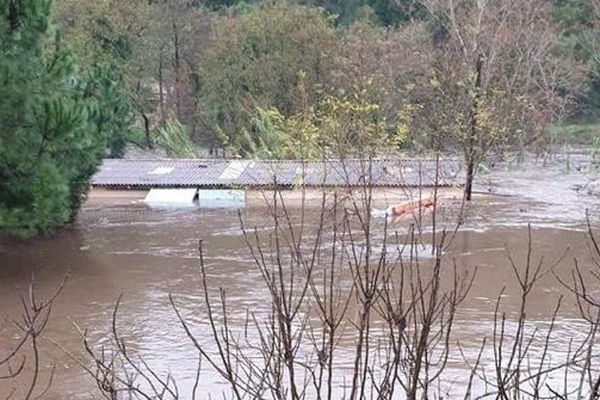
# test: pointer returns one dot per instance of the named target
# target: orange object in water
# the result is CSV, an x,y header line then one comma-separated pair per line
x,y
405,208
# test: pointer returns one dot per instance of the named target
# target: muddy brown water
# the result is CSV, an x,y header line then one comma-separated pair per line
x,y
146,254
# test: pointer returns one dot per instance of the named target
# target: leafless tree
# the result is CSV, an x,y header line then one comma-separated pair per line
x,y
120,374
22,365
497,80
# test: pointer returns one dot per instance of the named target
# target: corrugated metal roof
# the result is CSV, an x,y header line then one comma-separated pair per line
x,y
262,173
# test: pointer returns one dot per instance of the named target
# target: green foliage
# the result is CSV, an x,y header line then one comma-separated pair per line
x,y
242,7
581,33
229,70
275,136
142,45
596,152
340,126
219,4
52,135
269,136
385,67
351,126
257,59
574,14
110,109
386,12
577,134
225,68
174,138
483,97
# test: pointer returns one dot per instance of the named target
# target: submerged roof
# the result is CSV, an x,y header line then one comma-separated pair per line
x,y
264,173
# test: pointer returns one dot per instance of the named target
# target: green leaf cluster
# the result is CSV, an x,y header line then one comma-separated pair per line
x,y
340,126
174,138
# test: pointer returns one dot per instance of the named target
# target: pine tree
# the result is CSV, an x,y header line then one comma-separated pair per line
x,y
111,112
50,144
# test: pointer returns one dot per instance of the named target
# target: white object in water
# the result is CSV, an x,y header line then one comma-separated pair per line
x,y
378,213
221,198
171,197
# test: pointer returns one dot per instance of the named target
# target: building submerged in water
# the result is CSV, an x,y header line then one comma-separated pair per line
x,y
220,182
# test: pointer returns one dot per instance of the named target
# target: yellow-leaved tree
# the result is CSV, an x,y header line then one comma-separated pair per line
x,y
343,126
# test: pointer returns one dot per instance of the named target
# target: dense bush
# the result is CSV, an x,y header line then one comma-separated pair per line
x,y
260,59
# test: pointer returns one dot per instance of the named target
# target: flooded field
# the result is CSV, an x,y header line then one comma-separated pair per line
x,y
147,254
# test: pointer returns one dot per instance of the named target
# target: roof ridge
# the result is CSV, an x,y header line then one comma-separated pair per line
x,y
280,161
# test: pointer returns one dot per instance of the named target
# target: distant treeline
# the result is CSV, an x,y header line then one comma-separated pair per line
x,y
257,77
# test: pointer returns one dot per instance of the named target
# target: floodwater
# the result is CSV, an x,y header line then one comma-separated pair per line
x,y
147,254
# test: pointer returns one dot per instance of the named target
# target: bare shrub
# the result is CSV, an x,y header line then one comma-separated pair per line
x,y
22,365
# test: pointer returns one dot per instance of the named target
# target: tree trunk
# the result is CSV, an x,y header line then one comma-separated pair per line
x,y
469,183
177,62
471,156
161,89
149,143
